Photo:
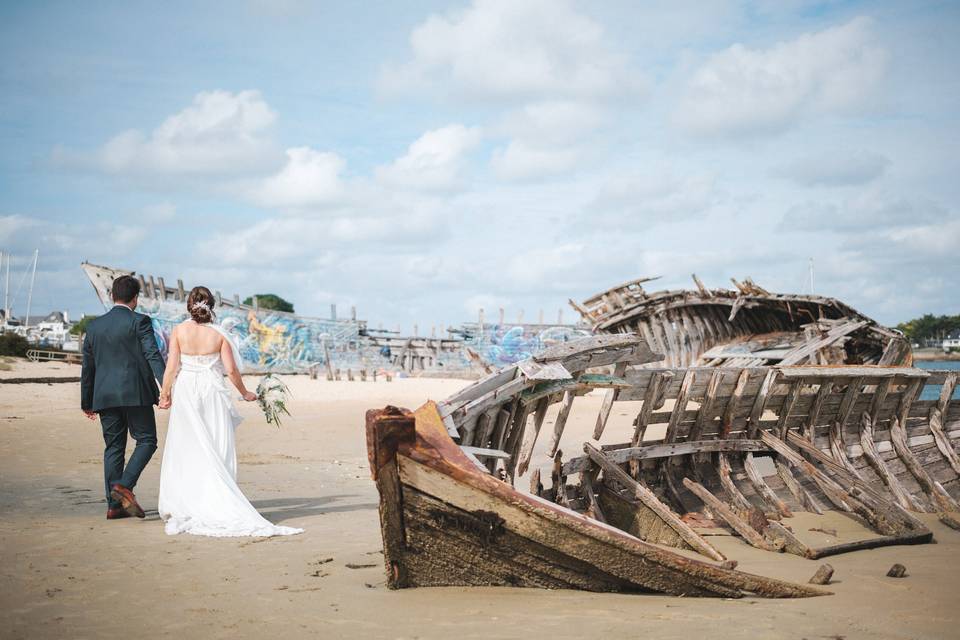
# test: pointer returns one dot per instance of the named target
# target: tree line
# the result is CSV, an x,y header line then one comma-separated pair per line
x,y
929,327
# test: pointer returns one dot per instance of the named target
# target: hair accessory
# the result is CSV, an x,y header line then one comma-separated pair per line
x,y
201,304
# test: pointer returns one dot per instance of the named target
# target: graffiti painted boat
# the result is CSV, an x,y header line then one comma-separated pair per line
x,y
745,326
269,340
858,441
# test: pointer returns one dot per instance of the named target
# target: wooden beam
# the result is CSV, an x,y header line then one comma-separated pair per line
x,y
793,486
726,481
934,490
762,488
565,405
760,403
530,435
643,494
746,532
938,417
730,411
870,452
706,411
669,450
608,399
680,405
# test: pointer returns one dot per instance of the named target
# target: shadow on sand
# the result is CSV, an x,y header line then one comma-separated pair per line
x,y
283,509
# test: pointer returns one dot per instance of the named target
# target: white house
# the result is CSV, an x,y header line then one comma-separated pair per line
x,y
952,341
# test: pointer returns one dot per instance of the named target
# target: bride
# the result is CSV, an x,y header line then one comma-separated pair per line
x,y
198,475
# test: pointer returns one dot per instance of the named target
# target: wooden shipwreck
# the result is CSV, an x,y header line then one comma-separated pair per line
x,y
742,327
632,516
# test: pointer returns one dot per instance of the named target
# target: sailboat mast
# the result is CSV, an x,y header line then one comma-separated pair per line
x,y
33,277
6,293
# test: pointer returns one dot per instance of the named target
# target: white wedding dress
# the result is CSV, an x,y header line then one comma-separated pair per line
x,y
198,475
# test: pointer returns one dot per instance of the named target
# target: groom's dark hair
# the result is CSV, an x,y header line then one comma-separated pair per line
x,y
125,289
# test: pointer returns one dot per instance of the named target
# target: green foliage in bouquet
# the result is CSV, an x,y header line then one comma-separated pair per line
x,y
272,396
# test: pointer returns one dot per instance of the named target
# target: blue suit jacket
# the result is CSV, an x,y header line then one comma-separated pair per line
x,y
121,362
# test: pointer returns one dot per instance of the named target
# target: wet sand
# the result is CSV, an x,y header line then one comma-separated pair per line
x,y
65,571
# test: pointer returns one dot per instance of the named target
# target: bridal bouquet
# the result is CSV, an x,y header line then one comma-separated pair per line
x,y
272,395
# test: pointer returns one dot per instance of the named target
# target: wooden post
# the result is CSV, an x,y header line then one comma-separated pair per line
x,y
387,430
163,290
501,316
181,294
333,312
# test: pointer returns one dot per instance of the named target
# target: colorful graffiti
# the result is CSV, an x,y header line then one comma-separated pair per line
x,y
287,343
502,345
269,341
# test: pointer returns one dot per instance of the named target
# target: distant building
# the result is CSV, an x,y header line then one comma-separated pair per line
x,y
952,341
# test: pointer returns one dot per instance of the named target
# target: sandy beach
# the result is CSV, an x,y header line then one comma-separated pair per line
x,y
66,572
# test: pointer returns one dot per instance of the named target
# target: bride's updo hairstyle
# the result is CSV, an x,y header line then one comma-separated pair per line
x,y
200,305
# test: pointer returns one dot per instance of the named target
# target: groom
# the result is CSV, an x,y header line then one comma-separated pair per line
x,y
121,366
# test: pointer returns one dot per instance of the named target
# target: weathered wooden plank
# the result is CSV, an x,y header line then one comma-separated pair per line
x,y
608,399
762,488
680,405
564,350
873,457
482,452
793,486
810,348
726,481
813,414
587,478
938,418
564,413
614,472
934,490
668,450
746,532
707,406
760,402
530,435
788,405
851,371
734,402
836,429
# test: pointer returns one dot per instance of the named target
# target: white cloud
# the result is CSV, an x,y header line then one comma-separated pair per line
x,y
864,213
220,133
490,303
160,212
834,168
309,179
500,49
521,161
12,225
657,197
434,161
547,138
743,91
552,122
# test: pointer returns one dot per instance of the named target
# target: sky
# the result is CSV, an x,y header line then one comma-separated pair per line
x,y
421,160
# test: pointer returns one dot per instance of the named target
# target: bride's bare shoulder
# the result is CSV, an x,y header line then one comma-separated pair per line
x,y
186,325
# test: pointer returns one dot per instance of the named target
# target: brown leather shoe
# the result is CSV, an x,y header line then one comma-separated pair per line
x,y
127,500
116,513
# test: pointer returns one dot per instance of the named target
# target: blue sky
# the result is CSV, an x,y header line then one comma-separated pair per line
x,y
423,159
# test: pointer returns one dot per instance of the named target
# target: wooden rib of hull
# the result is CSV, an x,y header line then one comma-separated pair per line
x,y
444,522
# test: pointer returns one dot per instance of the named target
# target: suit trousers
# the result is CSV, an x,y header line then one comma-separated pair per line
x,y
116,422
